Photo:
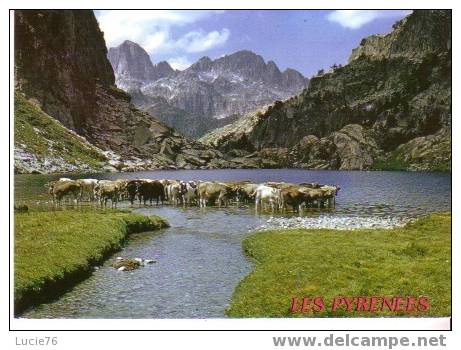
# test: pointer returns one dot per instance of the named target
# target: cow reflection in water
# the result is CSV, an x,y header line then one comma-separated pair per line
x,y
273,196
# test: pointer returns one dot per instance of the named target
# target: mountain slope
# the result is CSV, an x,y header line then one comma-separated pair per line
x,y
395,88
61,63
43,144
208,90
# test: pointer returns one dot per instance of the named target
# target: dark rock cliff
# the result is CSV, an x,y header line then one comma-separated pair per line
x,y
60,58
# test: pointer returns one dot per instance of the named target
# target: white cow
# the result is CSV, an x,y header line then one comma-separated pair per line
x,y
269,195
188,192
174,192
64,179
87,186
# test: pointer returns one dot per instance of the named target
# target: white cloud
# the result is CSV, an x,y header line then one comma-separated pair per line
x,y
200,41
152,30
179,63
354,19
191,42
155,42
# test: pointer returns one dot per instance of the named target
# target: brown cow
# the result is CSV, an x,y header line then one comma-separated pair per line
x,y
122,191
293,196
150,191
210,192
132,190
247,192
238,188
310,185
314,195
329,194
61,189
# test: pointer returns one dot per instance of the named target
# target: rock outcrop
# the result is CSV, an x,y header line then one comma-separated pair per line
x,y
351,148
208,94
61,64
413,36
396,88
431,152
235,135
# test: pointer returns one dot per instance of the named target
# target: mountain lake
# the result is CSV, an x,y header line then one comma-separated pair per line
x,y
200,258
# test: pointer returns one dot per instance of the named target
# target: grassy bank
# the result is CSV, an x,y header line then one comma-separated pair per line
x,y
410,261
53,250
41,135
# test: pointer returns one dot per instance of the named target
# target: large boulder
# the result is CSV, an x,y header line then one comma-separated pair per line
x,y
351,148
431,152
355,147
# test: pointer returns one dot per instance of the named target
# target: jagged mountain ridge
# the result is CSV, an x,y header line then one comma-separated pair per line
x,y
395,88
207,90
61,66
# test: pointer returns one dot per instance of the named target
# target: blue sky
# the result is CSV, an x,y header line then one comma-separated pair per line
x,y
306,40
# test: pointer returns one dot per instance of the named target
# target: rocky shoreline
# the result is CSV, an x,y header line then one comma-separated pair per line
x,y
334,223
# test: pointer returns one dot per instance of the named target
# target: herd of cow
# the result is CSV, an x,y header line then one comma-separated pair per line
x,y
274,195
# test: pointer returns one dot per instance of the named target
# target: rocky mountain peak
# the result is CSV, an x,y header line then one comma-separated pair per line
x,y
243,56
133,67
130,44
162,69
203,64
273,72
245,63
272,66
292,79
131,61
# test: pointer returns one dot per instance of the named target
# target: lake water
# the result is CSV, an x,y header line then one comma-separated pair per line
x,y
200,259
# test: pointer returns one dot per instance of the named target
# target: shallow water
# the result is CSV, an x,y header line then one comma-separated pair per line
x,y
200,258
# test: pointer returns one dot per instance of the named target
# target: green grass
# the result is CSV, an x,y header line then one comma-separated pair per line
x,y
50,246
443,167
410,261
396,163
44,136
392,164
